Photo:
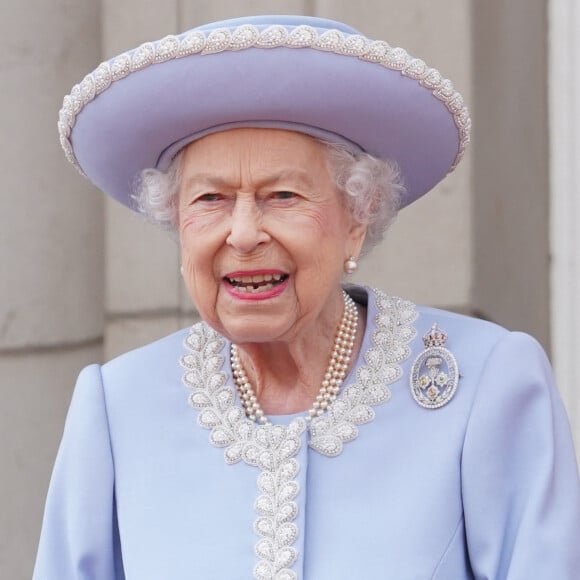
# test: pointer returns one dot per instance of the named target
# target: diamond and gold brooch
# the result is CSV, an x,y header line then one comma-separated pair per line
x,y
434,374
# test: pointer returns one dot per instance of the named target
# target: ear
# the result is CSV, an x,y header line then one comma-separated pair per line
x,y
356,238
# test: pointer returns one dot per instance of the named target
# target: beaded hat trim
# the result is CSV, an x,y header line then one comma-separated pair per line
x,y
249,36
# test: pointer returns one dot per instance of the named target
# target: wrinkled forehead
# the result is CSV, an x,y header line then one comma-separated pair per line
x,y
255,155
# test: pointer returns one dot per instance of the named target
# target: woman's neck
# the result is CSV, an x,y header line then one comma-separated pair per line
x,y
287,376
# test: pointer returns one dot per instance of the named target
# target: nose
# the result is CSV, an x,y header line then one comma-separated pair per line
x,y
246,226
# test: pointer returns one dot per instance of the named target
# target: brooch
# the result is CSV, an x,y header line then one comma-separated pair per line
x,y
434,374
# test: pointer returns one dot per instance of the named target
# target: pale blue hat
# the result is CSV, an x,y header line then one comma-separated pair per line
x,y
306,74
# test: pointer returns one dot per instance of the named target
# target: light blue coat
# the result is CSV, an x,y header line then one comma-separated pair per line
x,y
485,487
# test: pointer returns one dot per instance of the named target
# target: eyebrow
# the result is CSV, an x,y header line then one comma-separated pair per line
x,y
218,182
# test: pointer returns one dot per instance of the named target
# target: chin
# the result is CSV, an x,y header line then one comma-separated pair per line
x,y
254,331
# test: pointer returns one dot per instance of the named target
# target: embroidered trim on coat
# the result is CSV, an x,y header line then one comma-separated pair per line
x,y
273,448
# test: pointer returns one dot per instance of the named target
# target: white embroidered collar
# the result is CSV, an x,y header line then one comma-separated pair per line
x,y
273,448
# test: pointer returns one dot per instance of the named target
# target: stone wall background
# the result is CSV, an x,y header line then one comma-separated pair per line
x,y
83,280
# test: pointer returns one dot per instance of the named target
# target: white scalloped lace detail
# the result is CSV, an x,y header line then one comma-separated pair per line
x,y
249,36
273,448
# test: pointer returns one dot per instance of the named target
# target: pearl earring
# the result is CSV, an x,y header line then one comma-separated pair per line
x,y
181,270
350,265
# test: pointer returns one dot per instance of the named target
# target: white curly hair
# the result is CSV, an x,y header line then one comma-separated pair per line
x,y
371,187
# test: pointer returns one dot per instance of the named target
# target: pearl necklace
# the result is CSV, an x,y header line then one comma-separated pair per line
x,y
333,378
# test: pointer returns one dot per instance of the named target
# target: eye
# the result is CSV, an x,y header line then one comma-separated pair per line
x,y
283,195
208,197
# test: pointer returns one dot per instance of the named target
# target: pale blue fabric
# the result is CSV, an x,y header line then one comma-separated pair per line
x,y
484,488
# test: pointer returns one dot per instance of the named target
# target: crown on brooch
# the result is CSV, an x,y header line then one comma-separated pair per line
x,y
435,337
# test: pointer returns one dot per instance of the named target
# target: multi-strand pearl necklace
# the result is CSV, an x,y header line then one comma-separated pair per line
x,y
333,378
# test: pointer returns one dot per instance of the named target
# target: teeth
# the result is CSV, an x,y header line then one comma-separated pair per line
x,y
253,290
257,279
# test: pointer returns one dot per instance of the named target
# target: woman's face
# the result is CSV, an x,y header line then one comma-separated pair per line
x,y
264,234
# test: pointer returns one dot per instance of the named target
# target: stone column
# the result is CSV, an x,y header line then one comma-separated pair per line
x,y
564,86
51,254
143,283
511,171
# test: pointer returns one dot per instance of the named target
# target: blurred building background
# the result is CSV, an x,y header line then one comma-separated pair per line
x,y
81,280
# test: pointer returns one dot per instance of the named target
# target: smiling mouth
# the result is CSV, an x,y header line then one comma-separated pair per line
x,y
256,283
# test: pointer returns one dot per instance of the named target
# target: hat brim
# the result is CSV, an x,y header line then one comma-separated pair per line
x,y
139,109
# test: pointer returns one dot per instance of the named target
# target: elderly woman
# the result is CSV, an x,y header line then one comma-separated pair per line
x,y
361,436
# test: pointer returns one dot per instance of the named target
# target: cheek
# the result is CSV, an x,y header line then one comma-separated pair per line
x,y
198,277
199,244
319,222
200,237
321,247
197,223
328,226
